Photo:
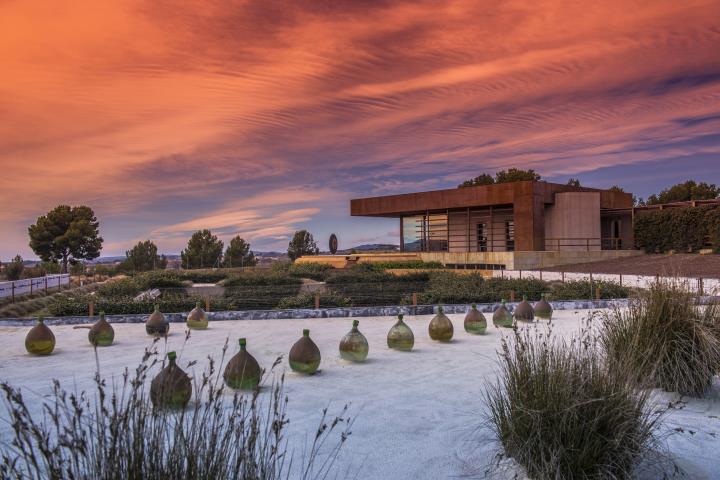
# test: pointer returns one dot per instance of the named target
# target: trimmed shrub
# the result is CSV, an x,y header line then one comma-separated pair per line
x,y
204,276
315,271
259,290
307,300
680,229
665,339
713,227
560,413
124,287
583,289
249,279
116,433
449,287
159,279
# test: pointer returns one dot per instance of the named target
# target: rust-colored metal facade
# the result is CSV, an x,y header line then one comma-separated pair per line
x,y
514,215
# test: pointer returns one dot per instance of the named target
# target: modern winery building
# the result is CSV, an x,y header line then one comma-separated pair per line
x,y
527,224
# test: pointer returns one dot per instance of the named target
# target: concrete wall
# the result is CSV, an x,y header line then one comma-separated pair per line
x,y
510,260
533,260
464,258
571,220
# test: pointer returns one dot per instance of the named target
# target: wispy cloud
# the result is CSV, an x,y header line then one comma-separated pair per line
x,y
226,114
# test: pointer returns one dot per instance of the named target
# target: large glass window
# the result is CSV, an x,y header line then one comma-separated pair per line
x,y
510,235
425,233
412,233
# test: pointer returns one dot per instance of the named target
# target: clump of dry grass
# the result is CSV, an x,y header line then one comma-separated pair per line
x,y
116,434
560,413
665,339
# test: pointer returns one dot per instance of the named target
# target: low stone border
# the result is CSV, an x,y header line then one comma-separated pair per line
x,y
338,312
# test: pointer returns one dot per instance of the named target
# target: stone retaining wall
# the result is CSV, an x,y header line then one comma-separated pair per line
x,y
338,312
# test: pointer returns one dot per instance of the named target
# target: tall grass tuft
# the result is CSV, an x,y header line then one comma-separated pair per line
x,y
116,434
560,413
665,339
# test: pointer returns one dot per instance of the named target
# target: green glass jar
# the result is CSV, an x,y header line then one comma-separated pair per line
x,y
354,346
243,371
524,311
171,388
543,309
197,318
400,337
157,325
101,334
304,355
502,318
40,340
441,328
475,322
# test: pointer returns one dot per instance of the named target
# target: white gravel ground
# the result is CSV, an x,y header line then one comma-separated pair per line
x,y
419,415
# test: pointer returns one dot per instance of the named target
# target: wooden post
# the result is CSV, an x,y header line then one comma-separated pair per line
x,y
31,282
540,274
45,285
520,274
512,296
91,308
317,301
621,279
591,286
562,276
700,287
12,287
597,293
207,303
414,299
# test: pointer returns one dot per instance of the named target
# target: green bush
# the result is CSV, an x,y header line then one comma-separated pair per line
x,y
679,229
713,227
307,300
125,287
368,285
159,279
449,287
560,413
252,279
582,289
408,264
665,339
315,271
204,276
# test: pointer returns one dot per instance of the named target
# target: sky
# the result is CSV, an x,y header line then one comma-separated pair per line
x,y
263,117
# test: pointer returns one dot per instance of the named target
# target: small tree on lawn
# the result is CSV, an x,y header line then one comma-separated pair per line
x,y
66,233
144,257
302,243
203,250
238,254
14,269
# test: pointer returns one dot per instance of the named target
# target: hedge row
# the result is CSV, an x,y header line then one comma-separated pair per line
x,y
345,289
681,229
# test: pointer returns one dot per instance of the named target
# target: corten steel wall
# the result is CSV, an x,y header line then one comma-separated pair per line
x,y
527,198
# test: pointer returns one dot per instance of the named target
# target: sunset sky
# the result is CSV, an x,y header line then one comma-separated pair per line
x,y
263,117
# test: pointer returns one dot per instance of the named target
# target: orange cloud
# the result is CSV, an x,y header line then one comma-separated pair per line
x,y
167,118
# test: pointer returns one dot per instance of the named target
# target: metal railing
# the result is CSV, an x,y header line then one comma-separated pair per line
x,y
29,286
583,243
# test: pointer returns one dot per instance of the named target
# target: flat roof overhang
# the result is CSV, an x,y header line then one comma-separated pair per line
x,y
480,196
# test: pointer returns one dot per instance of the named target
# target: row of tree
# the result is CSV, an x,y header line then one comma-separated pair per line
x,y
680,192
